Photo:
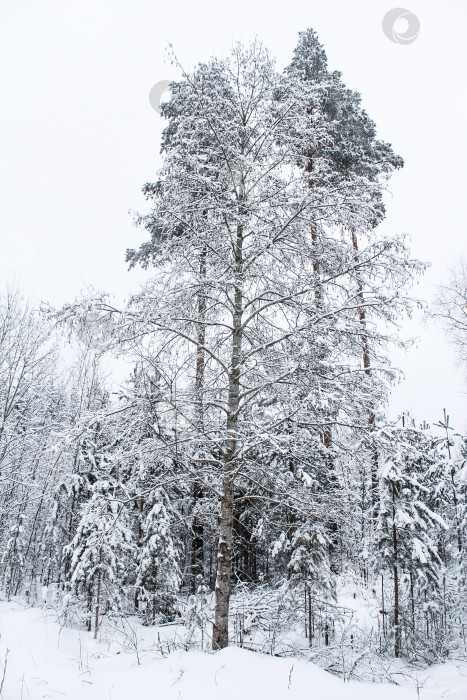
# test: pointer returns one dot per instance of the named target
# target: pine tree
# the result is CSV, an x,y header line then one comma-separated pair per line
x,y
352,151
13,558
452,466
99,554
462,487
310,571
405,541
309,560
158,573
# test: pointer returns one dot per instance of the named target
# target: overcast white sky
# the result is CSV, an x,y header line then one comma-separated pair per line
x,y
79,137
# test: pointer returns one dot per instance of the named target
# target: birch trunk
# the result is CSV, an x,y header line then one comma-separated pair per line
x,y
197,540
220,636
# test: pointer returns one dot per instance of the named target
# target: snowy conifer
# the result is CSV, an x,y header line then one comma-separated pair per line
x,y
99,554
158,572
405,542
13,558
309,561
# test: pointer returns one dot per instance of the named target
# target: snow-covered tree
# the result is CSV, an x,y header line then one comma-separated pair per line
x,y
450,308
405,541
197,611
235,185
99,554
31,399
264,323
158,572
13,558
309,561
353,153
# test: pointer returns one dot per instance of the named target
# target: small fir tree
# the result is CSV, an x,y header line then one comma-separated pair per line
x,y
99,555
158,573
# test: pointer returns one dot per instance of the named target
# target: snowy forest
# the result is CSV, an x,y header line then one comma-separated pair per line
x,y
245,484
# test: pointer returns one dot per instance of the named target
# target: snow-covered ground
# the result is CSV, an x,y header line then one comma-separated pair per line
x,y
46,660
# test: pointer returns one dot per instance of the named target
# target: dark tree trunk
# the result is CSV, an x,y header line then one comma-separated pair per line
x,y
326,433
412,601
367,370
98,595
453,483
397,629
197,541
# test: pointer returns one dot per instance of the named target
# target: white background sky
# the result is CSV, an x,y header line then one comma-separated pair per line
x,y
79,138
